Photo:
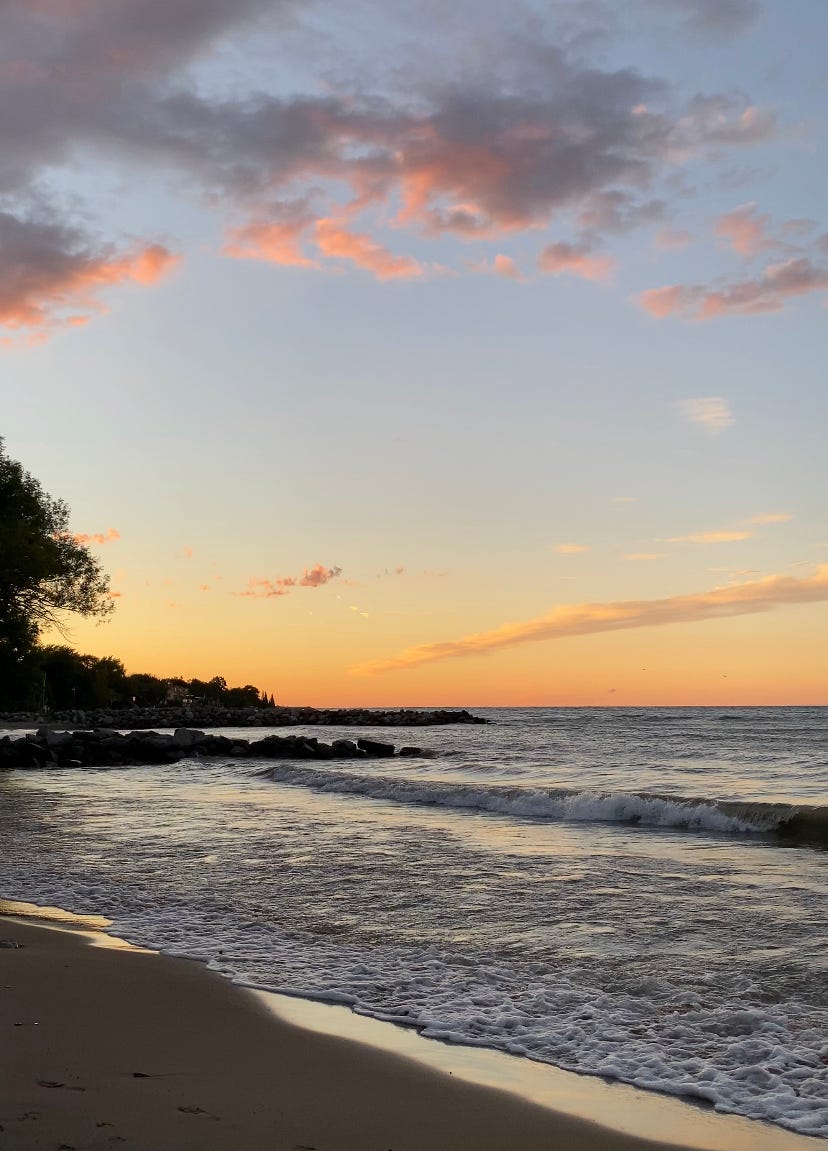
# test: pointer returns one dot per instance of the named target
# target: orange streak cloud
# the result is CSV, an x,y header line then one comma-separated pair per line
x,y
590,618
335,240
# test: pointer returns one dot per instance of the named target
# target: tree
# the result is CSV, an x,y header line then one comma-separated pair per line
x,y
45,572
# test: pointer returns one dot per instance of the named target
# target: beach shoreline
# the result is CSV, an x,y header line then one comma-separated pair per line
x,y
108,1044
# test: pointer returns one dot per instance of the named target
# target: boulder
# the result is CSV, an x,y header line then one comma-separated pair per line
x,y
374,748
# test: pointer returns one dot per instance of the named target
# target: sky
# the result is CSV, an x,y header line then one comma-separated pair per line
x,y
447,352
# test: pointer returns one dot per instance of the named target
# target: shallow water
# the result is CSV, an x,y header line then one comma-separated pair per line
x,y
561,884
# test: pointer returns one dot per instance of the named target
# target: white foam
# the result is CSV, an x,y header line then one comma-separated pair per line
x,y
534,803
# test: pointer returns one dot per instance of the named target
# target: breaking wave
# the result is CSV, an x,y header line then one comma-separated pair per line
x,y
797,822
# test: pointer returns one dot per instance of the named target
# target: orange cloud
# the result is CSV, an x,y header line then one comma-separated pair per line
x,y
591,618
505,266
107,537
277,243
645,555
766,293
770,518
315,576
336,241
571,549
574,260
724,537
318,575
744,230
49,279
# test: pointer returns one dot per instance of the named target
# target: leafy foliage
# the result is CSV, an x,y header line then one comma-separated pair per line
x,y
45,573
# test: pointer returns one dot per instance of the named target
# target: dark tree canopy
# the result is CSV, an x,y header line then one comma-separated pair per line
x,y
45,573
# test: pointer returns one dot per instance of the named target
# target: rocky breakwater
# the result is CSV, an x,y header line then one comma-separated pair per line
x,y
104,747
206,716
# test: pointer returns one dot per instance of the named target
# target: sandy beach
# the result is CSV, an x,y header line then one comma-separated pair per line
x,y
105,1047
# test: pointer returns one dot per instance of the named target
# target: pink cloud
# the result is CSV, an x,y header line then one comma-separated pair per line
x,y
336,241
574,260
318,575
49,279
312,577
505,266
107,537
276,242
765,293
745,230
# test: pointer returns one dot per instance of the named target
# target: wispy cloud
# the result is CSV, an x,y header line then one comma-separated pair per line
x,y
592,618
718,537
571,549
336,240
623,499
313,577
672,239
645,556
107,537
714,18
770,518
712,412
767,292
745,230
575,260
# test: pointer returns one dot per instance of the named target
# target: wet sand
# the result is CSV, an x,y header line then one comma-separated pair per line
x,y
106,1048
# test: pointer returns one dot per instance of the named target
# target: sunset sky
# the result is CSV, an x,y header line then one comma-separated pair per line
x,y
446,352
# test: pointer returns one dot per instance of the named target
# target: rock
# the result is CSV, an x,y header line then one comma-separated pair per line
x,y
344,747
375,748
185,737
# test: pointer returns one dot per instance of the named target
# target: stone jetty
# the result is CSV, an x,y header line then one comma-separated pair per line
x,y
105,747
205,716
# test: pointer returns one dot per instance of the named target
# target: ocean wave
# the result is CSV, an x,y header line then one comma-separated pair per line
x,y
730,817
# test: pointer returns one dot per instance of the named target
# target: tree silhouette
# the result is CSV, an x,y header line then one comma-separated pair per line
x,y
45,572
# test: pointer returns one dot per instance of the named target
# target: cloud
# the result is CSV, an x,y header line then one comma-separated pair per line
x,y
574,260
51,276
645,556
673,239
624,499
721,537
505,266
571,549
277,242
593,618
318,575
335,240
313,577
745,230
712,412
107,537
713,17
768,292
523,131
770,518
